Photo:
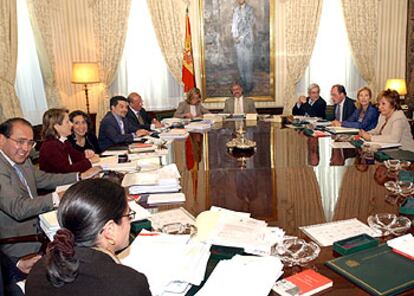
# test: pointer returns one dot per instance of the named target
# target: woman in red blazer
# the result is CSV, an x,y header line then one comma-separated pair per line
x,y
56,153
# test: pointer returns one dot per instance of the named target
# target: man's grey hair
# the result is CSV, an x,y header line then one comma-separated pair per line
x,y
314,85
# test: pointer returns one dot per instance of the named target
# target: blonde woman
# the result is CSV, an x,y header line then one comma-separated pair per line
x,y
365,116
191,107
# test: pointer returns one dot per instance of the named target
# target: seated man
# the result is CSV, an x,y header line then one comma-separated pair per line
x,y
19,180
137,117
115,129
313,105
238,104
344,106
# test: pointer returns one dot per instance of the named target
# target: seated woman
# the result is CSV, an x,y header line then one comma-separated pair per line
x,y
82,139
95,220
365,116
56,154
191,107
393,126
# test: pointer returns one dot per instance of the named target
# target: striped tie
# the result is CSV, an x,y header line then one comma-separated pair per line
x,y
23,179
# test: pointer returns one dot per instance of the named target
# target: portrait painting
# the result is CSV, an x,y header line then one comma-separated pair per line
x,y
237,47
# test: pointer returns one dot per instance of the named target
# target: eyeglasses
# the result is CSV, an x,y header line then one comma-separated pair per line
x,y
130,215
22,142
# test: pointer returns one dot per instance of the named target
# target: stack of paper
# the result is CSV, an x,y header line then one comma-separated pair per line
x,y
166,198
243,275
171,263
49,223
342,130
165,179
176,133
111,163
141,147
235,229
199,126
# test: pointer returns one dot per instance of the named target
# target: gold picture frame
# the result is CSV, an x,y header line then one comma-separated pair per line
x,y
223,56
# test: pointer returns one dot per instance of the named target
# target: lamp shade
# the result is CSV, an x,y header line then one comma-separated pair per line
x,y
85,73
398,85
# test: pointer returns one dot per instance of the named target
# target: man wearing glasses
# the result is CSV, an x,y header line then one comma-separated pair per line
x,y
19,180
313,105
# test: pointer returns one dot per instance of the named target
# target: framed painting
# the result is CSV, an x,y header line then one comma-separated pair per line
x,y
237,46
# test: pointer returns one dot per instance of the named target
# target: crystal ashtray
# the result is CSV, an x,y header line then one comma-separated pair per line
x,y
295,251
389,224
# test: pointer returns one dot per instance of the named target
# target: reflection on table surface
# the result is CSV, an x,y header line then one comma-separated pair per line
x,y
290,180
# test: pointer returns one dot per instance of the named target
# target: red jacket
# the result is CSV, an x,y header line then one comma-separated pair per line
x,y
54,158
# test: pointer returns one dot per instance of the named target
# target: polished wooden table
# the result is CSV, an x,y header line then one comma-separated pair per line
x,y
291,180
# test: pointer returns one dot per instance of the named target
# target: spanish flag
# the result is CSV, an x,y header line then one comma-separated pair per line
x,y
188,76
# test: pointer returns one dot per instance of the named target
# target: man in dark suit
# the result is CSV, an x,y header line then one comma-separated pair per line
x,y
137,117
114,128
344,106
313,105
19,201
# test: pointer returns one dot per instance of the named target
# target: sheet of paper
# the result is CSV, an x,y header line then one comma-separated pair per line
x,y
327,233
166,198
140,212
243,276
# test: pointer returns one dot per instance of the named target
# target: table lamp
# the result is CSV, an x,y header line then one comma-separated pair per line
x,y
398,85
85,73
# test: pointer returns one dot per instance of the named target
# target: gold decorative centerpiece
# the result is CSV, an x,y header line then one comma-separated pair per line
x,y
240,142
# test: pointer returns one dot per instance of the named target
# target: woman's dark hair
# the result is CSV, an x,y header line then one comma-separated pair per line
x,y
85,116
392,97
83,211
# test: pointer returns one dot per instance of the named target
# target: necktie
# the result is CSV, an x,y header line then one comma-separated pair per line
x,y
121,126
338,112
23,179
140,119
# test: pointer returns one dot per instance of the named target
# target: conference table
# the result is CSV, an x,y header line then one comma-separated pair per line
x,y
290,180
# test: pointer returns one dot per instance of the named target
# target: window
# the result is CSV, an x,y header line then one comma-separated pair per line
x,y
142,68
331,62
29,82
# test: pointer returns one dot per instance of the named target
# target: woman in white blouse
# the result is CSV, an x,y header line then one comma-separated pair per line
x,y
392,126
191,107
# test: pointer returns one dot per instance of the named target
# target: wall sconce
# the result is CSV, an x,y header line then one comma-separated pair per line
x,y
85,73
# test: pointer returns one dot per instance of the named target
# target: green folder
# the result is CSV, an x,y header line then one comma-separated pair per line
x,y
378,270
400,154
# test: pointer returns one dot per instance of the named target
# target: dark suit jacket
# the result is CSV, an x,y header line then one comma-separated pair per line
x,y
18,212
368,122
53,157
318,109
98,274
133,120
347,110
110,132
91,142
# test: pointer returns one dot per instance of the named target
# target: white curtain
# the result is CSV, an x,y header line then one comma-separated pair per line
x,y
361,19
302,20
29,81
331,62
142,68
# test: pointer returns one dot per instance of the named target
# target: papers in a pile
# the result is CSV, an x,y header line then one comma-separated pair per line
x,y
243,275
165,179
234,229
171,263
